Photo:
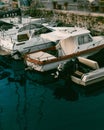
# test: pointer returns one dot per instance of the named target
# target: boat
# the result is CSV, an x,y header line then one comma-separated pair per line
x,y
73,42
24,37
89,72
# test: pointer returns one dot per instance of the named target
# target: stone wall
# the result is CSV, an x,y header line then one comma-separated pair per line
x,y
93,21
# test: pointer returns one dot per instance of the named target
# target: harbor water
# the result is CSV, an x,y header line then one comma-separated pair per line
x,y
31,101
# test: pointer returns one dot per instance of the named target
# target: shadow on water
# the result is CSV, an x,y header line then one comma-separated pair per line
x,y
66,92
20,74
5,61
91,90
40,77
72,91
4,69
69,92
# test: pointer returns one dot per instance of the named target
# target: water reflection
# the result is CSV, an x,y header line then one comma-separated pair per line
x,y
40,108
18,77
37,102
21,108
69,91
17,108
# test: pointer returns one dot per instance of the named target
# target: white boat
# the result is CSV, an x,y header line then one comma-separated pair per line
x,y
25,37
19,21
88,72
73,42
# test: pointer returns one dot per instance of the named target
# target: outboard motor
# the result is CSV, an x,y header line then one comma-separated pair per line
x,y
65,70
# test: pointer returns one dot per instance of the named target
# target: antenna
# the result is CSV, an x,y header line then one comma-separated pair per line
x,y
19,7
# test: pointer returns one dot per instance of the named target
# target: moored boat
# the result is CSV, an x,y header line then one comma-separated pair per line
x,y
88,72
73,42
24,37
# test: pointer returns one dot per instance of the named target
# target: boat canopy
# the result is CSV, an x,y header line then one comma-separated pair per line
x,y
63,33
41,56
66,46
54,36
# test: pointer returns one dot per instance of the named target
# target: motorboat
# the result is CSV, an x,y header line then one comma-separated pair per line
x,y
89,72
16,22
73,42
24,37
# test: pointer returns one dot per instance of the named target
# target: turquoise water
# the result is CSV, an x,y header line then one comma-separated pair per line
x,y
32,105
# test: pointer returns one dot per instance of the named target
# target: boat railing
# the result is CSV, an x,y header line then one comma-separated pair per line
x,y
100,42
95,44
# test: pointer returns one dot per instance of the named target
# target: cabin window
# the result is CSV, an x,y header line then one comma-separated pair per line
x,y
23,29
84,39
22,37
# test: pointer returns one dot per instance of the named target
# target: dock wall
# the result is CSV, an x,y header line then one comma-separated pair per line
x,y
93,21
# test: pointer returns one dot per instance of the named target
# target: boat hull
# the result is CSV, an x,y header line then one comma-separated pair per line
x,y
55,63
46,67
96,77
24,47
89,72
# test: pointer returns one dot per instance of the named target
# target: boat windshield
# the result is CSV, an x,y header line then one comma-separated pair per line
x,y
30,26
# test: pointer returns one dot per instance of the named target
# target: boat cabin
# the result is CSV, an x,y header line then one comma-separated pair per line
x,y
31,31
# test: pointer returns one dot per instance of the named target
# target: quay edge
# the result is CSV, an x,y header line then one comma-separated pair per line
x,y
91,20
